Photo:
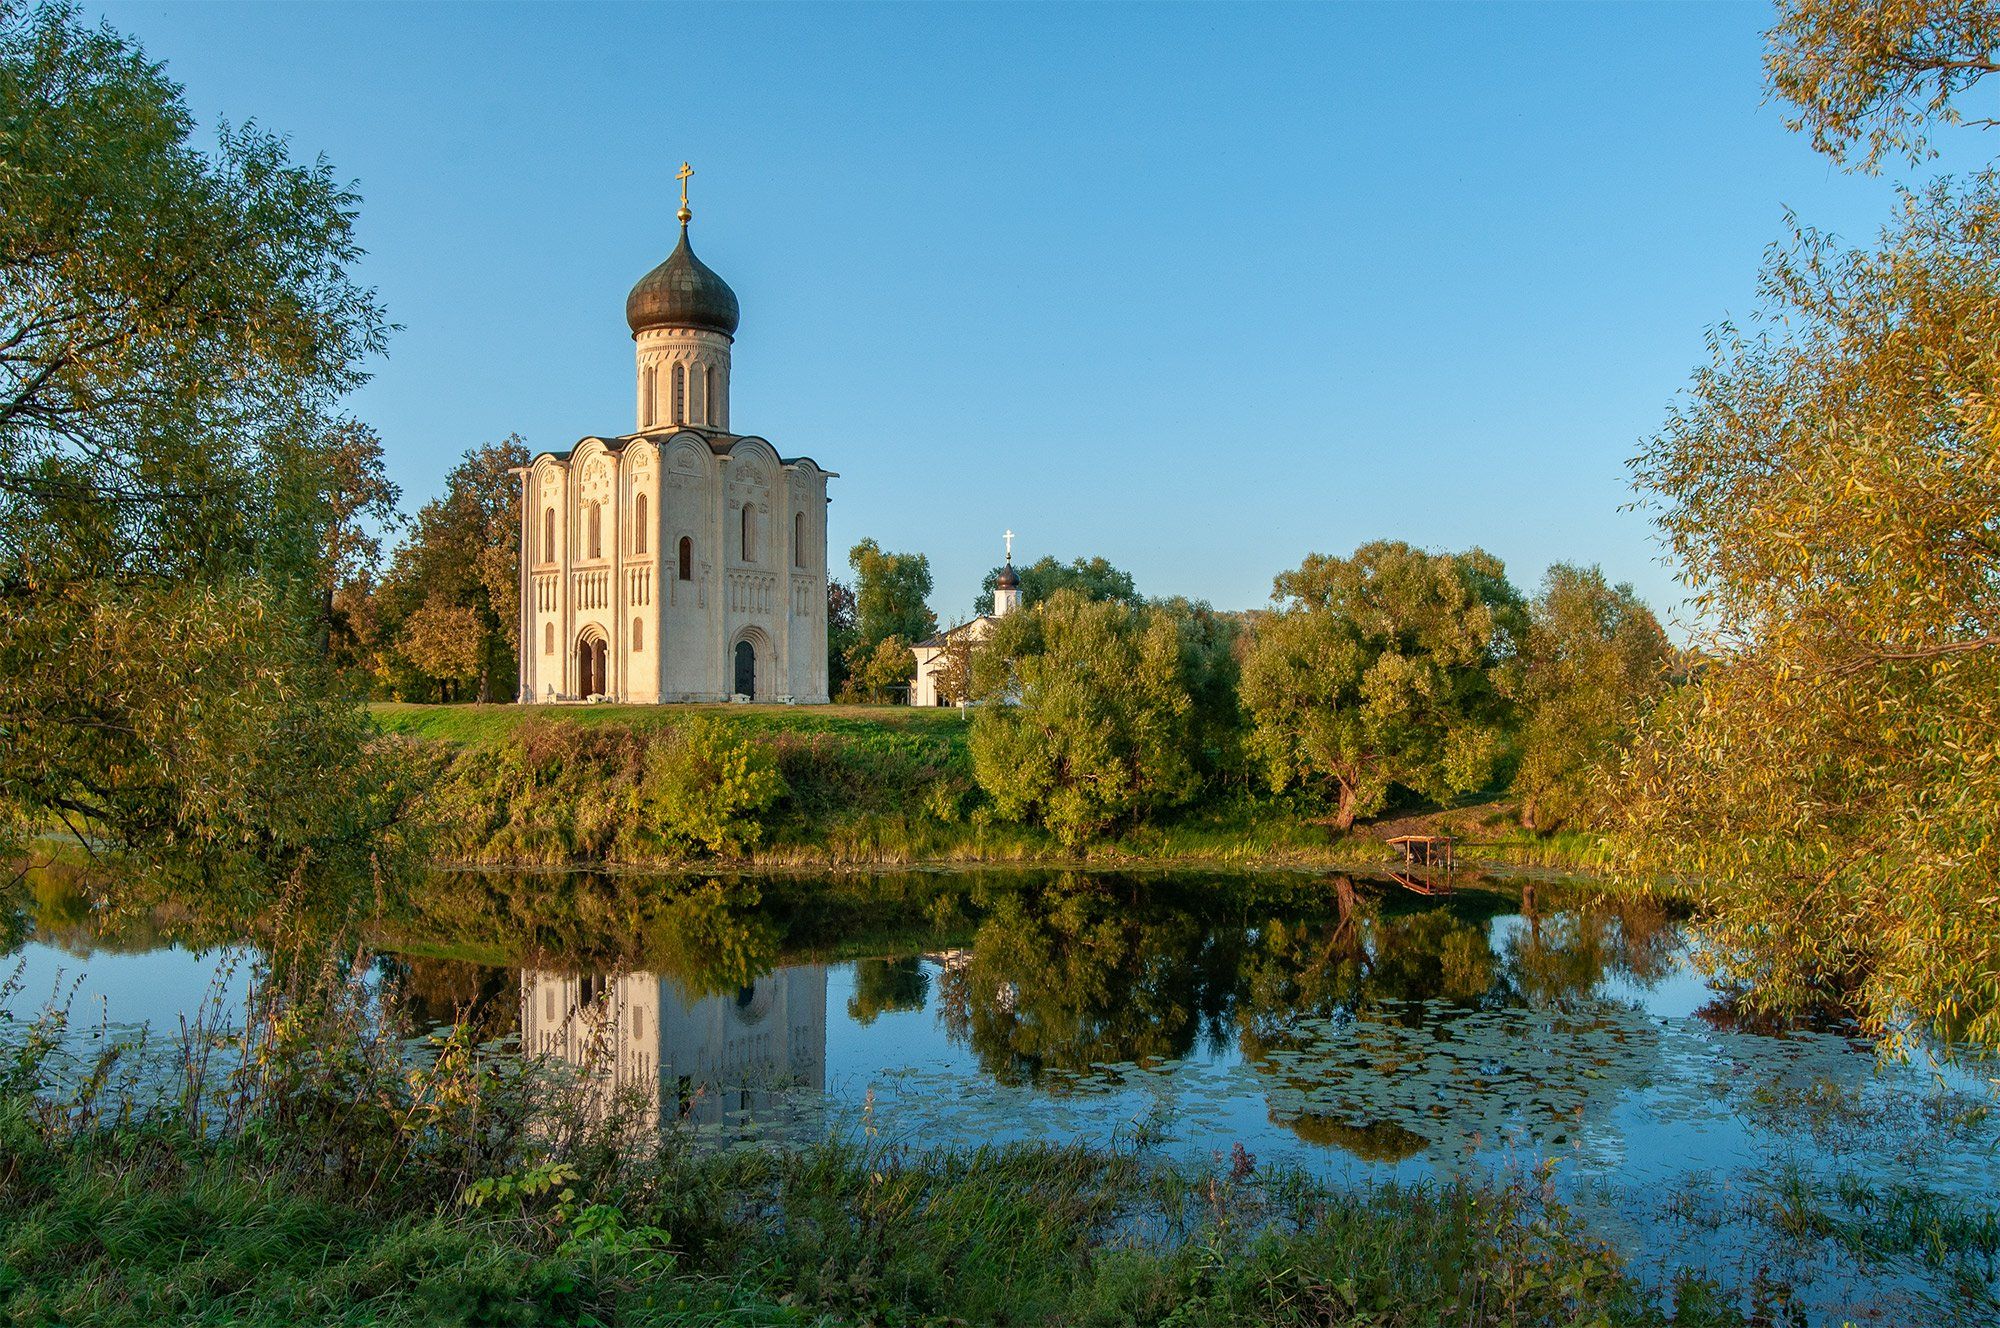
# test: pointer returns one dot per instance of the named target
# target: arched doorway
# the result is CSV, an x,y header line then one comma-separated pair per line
x,y
591,657
746,668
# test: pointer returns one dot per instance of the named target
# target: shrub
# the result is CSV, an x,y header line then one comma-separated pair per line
x,y
705,788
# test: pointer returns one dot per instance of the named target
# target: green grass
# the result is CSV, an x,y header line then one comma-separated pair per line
x,y
136,1227
490,725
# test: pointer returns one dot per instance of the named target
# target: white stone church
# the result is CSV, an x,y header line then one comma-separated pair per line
x,y
682,561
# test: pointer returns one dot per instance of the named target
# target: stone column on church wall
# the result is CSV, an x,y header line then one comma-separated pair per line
x,y
822,682
779,542
523,615
721,663
621,642
565,602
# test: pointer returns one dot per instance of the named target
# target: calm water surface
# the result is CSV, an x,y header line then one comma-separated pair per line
x,y
1345,1026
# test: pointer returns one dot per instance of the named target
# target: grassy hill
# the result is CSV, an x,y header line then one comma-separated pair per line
x,y
864,785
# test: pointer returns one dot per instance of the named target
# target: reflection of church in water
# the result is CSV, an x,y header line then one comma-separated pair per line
x,y
701,1059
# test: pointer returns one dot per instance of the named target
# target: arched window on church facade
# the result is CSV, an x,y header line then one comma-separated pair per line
x,y
709,411
798,539
648,406
548,638
638,635
749,533
639,524
687,559
548,534
680,394
597,530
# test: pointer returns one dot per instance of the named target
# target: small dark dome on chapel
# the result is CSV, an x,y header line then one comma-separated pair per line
x,y
1008,581
683,292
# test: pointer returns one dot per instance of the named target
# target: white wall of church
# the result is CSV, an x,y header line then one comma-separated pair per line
x,y
754,527
692,661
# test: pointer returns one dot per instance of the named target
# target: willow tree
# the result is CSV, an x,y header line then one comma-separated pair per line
x,y
1872,81
1392,667
177,323
1094,713
1593,664
1830,486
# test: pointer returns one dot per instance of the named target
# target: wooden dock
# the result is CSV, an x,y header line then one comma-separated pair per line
x,y
1427,863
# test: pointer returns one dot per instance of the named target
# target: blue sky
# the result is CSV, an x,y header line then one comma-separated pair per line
x,y
1199,289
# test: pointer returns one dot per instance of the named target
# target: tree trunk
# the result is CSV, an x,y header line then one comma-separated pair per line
x,y
1343,818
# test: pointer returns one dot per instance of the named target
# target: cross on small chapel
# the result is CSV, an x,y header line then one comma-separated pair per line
x,y
1010,546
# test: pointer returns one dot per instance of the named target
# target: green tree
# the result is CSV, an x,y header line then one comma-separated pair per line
x,y
705,788
176,323
1212,640
1091,715
444,640
1593,663
877,674
885,985
891,591
1093,578
1392,667
464,551
843,630
361,500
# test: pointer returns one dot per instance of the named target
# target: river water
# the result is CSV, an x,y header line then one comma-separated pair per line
x,y
1351,1027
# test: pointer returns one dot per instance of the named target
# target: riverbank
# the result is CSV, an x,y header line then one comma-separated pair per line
x,y
832,1235
332,1180
857,786
1141,1025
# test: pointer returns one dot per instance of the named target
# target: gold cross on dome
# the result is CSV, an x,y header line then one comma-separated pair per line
x,y
682,175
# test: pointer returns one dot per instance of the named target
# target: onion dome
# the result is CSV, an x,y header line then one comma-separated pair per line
x,y
683,292
1008,581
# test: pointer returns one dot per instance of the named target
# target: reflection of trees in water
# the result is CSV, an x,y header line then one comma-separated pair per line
x,y
117,906
711,932
434,993
1447,1035
1558,956
1359,992
883,985
1085,973
714,938
1377,1141
1312,981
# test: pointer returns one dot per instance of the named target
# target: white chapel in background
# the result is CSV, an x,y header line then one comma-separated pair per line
x,y
934,653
